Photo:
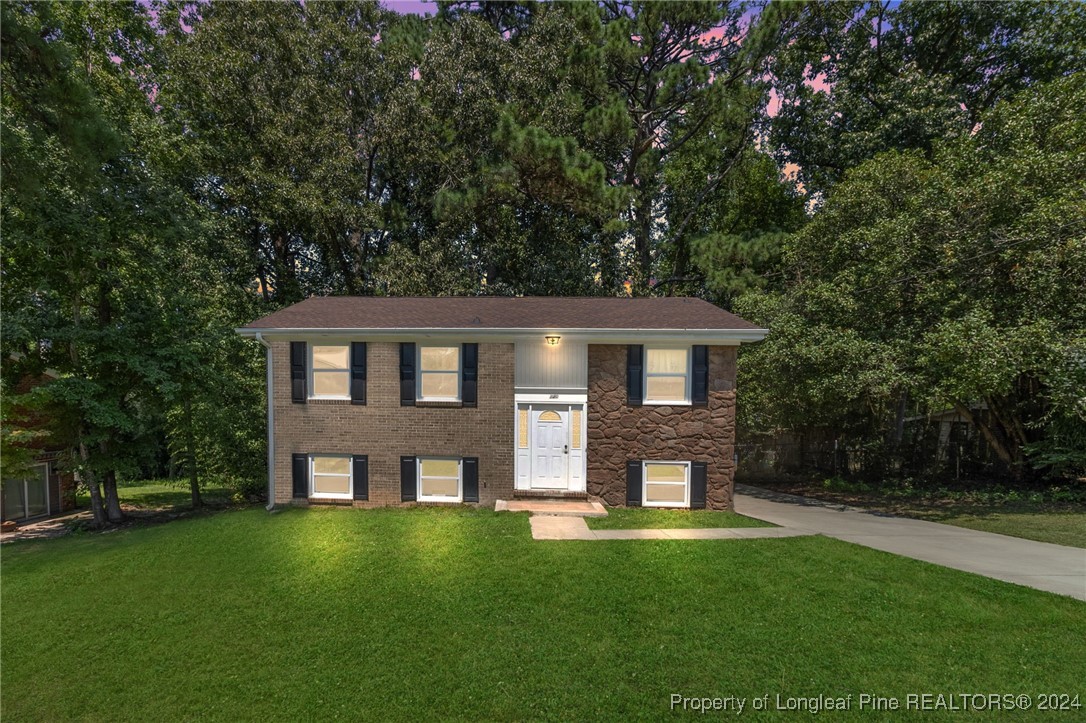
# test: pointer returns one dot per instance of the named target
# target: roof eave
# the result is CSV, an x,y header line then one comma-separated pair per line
x,y
733,335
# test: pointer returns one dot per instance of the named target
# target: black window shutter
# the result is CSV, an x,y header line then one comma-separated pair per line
x,y
408,480
635,377
360,465
699,389
471,479
358,372
300,464
633,483
297,371
407,375
698,479
469,387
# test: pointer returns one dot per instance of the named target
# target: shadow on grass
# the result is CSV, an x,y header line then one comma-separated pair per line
x,y
151,502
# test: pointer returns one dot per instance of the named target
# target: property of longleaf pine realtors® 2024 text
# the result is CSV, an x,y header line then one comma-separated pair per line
x,y
872,702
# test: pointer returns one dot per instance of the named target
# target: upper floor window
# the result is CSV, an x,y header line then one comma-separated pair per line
x,y
667,376
439,373
330,369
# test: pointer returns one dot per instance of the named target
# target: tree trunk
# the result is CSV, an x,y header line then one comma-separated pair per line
x,y
899,422
190,456
287,287
97,509
996,441
113,502
643,241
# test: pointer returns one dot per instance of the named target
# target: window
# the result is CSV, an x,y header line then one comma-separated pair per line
x,y
330,477
522,429
667,376
439,373
667,484
28,496
439,480
330,371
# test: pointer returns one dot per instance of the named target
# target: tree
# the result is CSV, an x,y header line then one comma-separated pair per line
x,y
865,77
953,280
107,261
499,188
71,194
646,83
680,73
278,104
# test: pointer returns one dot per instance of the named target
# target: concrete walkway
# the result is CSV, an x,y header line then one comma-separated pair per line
x,y
549,527
1040,565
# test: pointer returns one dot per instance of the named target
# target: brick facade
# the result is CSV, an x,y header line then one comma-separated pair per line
x,y
618,432
385,431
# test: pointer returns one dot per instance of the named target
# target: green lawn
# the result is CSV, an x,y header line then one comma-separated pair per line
x,y
454,613
156,494
633,518
1061,528
1057,515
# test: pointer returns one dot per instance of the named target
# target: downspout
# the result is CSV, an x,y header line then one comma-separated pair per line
x,y
271,425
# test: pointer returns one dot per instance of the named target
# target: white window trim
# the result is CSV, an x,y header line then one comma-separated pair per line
x,y
346,371
645,374
644,485
438,498
459,373
331,495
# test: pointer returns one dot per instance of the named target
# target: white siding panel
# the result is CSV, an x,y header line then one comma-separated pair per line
x,y
543,367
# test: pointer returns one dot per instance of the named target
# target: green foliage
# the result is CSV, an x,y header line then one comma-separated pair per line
x,y
113,277
862,78
956,281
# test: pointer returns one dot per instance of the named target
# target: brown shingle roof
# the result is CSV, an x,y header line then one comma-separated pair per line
x,y
500,312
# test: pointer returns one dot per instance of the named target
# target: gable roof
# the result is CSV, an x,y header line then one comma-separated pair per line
x,y
500,313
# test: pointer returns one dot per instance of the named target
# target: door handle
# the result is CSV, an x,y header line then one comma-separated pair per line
x,y
565,449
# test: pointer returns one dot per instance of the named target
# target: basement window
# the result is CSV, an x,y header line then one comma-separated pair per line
x,y
440,479
666,484
330,477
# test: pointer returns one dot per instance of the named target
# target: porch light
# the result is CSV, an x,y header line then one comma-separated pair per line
x,y
552,339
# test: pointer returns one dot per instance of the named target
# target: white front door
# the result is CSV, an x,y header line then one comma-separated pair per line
x,y
550,447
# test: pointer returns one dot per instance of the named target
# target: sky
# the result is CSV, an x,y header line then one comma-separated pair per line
x,y
415,7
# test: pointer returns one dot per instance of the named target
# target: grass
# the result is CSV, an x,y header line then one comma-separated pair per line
x,y
1058,527
628,518
164,493
1056,515
399,614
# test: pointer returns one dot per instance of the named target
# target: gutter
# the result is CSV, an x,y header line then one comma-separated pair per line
x,y
615,334
271,423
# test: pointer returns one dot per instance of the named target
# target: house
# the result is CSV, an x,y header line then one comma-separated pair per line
x,y
42,489
381,401
41,492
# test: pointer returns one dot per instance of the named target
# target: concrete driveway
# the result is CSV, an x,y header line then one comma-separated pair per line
x,y
1040,565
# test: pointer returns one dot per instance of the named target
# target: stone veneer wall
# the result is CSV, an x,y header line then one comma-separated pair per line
x,y
384,430
618,432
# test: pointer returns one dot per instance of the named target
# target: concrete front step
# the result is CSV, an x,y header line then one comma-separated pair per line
x,y
553,508
548,495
